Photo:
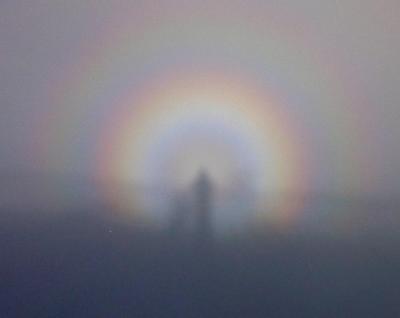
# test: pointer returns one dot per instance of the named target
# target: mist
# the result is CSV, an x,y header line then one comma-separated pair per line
x,y
211,159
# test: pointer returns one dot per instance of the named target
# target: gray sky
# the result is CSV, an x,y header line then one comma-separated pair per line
x,y
40,40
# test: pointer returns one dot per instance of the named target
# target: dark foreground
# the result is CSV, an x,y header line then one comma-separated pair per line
x,y
84,266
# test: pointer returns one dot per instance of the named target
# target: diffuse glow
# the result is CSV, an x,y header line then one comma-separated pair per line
x,y
151,101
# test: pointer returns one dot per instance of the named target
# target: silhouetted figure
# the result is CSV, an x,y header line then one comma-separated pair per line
x,y
202,207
